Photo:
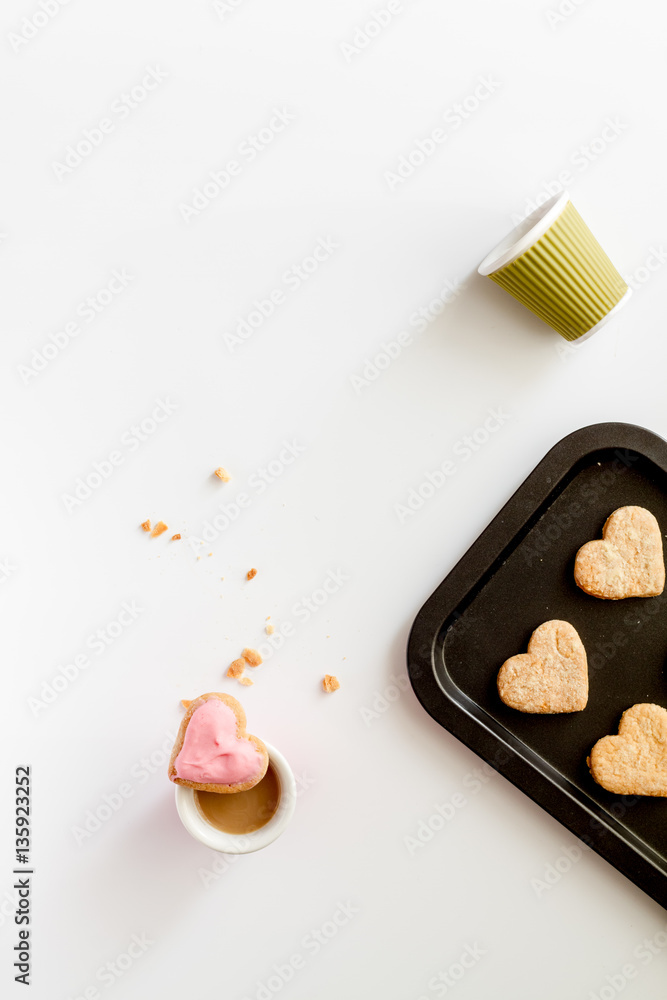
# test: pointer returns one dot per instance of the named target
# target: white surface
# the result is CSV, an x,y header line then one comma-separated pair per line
x,y
369,782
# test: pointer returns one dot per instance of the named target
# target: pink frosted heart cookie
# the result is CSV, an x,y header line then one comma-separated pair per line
x,y
213,752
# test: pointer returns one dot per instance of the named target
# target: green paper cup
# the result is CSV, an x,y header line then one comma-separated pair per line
x,y
554,265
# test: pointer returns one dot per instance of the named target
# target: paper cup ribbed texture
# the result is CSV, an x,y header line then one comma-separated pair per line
x,y
565,277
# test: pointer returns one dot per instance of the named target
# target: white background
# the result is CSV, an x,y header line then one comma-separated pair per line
x,y
372,773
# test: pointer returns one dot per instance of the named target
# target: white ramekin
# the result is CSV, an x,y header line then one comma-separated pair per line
x,y
246,843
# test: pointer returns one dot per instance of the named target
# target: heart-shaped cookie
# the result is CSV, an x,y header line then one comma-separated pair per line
x,y
551,677
213,752
627,561
635,761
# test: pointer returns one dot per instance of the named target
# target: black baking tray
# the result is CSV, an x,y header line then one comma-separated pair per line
x,y
518,574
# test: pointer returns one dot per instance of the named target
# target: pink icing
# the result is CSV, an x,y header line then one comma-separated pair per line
x,y
212,753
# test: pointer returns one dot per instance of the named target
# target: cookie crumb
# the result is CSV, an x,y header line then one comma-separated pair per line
x,y
252,657
222,474
236,668
251,574
175,538
185,703
146,525
330,683
270,629
159,529
246,681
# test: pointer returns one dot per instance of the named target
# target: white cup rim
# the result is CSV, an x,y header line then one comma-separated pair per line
x,y
247,843
525,235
